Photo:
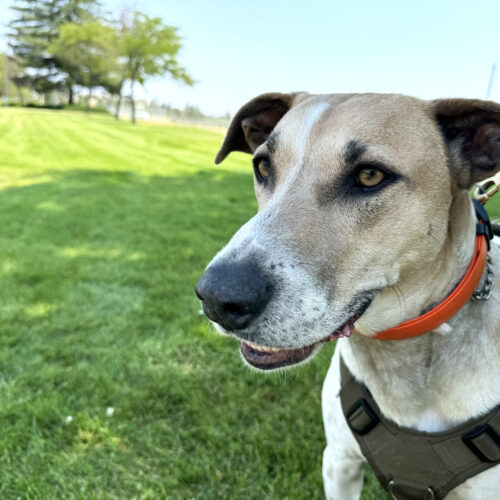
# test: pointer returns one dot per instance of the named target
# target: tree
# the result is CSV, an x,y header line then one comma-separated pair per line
x,y
19,77
150,48
31,31
86,51
76,11
113,84
35,27
15,79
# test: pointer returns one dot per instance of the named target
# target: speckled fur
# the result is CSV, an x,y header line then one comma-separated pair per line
x,y
409,245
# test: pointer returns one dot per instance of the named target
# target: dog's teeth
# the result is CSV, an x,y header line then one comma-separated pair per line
x,y
262,348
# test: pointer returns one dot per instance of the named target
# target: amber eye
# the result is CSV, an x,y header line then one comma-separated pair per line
x,y
263,168
370,177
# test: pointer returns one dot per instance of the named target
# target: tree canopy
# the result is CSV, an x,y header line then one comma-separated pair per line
x,y
61,43
150,48
87,52
35,26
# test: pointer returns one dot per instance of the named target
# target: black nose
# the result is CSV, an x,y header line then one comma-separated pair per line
x,y
234,294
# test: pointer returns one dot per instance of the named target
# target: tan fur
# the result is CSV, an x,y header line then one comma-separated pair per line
x,y
411,243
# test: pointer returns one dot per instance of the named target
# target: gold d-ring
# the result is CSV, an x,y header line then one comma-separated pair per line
x,y
485,190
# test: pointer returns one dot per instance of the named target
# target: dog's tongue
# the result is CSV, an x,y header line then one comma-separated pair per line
x,y
344,331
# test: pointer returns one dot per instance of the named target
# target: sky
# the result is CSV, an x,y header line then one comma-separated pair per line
x,y
236,50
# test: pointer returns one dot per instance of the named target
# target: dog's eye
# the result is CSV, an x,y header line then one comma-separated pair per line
x,y
262,169
370,177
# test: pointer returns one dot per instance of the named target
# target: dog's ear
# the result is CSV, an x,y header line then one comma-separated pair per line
x,y
471,130
253,123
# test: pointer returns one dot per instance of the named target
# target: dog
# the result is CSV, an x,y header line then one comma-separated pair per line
x,y
365,222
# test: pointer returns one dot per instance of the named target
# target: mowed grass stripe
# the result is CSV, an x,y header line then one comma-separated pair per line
x,y
105,229
112,145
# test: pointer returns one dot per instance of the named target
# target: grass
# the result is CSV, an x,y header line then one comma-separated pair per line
x,y
106,228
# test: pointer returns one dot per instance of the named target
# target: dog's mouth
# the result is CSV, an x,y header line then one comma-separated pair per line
x,y
271,358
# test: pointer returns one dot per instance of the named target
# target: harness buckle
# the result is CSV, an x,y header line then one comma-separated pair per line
x,y
405,490
361,418
484,442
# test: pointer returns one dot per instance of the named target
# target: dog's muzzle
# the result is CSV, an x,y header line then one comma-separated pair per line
x,y
233,294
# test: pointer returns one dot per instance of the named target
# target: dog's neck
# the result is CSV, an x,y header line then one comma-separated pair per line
x,y
423,285
417,381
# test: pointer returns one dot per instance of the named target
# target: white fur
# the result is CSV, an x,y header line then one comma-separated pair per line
x,y
430,421
461,383
306,125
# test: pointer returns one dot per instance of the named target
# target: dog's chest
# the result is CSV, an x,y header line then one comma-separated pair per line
x,y
430,421
422,397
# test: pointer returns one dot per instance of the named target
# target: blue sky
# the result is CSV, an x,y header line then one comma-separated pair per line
x,y
238,49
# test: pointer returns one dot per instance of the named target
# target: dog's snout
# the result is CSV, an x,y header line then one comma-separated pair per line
x,y
234,294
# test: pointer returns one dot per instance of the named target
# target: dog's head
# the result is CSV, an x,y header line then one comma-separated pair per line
x,y
356,195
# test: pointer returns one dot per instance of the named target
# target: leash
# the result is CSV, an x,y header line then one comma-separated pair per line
x,y
438,315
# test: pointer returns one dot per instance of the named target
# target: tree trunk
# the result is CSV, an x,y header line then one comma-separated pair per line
x,y
20,94
6,79
118,105
71,94
132,102
88,100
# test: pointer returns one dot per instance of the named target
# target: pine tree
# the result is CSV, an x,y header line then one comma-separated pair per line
x,y
35,27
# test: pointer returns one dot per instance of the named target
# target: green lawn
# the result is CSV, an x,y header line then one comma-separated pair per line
x,y
106,228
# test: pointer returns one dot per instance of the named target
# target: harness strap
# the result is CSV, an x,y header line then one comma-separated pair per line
x,y
415,465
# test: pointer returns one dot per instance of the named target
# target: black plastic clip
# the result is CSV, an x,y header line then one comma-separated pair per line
x,y
484,442
361,418
483,225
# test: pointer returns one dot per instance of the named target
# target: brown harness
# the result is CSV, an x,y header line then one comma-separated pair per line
x,y
415,465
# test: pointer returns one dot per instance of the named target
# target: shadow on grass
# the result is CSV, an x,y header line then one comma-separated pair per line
x,y
98,310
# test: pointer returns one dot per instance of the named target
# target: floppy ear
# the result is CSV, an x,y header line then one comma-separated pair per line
x,y
253,123
471,130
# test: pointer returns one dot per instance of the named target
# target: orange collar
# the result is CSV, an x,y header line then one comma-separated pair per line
x,y
457,299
